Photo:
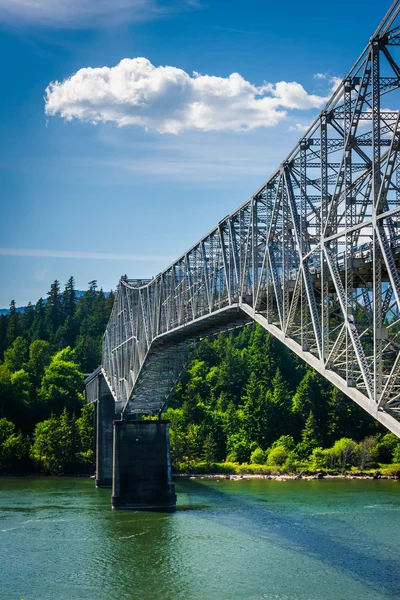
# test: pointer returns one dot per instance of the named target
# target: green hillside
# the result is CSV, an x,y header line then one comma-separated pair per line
x,y
243,399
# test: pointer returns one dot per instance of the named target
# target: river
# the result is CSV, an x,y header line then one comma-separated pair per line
x,y
228,540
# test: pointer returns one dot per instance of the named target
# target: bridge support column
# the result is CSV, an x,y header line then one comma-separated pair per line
x,y
105,416
142,466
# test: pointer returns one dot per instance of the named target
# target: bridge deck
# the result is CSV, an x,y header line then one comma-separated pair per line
x,y
313,256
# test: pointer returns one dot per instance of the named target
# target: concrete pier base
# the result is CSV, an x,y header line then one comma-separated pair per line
x,y
142,467
105,416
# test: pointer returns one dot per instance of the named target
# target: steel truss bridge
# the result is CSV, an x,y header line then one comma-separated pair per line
x,y
313,256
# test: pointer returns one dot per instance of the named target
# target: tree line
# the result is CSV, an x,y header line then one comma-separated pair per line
x,y
44,351
245,398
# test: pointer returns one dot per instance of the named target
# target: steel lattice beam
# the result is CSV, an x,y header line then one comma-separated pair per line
x,y
313,257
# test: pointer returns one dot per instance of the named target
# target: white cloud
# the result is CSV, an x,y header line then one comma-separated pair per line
x,y
168,100
72,13
30,252
293,95
334,83
320,75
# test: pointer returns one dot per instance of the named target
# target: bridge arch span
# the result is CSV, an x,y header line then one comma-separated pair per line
x,y
313,256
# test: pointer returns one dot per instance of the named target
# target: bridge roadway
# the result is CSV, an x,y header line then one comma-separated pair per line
x,y
162,362
313,257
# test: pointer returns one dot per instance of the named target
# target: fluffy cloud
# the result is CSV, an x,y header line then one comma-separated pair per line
x,y
168,100
72,13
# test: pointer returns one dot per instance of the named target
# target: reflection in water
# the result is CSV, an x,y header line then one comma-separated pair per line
x,y
255,540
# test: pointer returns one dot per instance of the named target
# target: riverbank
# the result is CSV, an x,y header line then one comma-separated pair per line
x,y
236,471
284,477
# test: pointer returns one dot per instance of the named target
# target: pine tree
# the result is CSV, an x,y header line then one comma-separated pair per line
x,y
27,320
69,299
253,401
53,308
13,325
278,409
84,425
39,327
3,335
110,302
310,434
209,450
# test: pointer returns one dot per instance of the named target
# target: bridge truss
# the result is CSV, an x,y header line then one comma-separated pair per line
x,y
313,256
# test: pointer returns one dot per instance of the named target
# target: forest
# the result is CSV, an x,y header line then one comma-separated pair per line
x,y
245,401
45,424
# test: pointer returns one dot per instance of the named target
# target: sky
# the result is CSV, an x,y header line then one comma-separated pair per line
x,y
129,128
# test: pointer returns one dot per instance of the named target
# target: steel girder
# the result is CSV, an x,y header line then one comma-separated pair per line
x,y
313,256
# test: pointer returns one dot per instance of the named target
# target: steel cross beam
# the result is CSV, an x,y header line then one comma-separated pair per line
x,y
313,256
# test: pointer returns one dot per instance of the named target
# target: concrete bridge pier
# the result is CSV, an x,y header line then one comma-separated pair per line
x,y
142,466
105,416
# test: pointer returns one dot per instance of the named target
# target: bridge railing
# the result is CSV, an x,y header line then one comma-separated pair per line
x,y
314,252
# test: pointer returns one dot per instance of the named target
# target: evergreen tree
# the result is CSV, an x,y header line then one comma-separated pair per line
x,y
14,449
109,302
9,408
87,350
27,320
66,333
279,419
13,325
242,391
39,358
84,426
100,313
310,396
310,435
53,308
69,299
17,355
3,335
39,327
209,450
254,421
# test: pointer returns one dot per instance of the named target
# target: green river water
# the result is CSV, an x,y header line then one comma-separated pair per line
x,y
228,540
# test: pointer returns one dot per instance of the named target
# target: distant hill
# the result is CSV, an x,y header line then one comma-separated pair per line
x,y
20,309
5,311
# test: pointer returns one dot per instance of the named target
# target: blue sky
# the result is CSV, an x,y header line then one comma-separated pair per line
x,y
120,167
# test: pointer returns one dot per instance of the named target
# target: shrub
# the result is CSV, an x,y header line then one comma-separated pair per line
x,y
318,458
286,441
303,450
277,456
341,454
386,447
239,449
258,457
366,453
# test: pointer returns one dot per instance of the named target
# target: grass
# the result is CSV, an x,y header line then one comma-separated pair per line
x,y
230,468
